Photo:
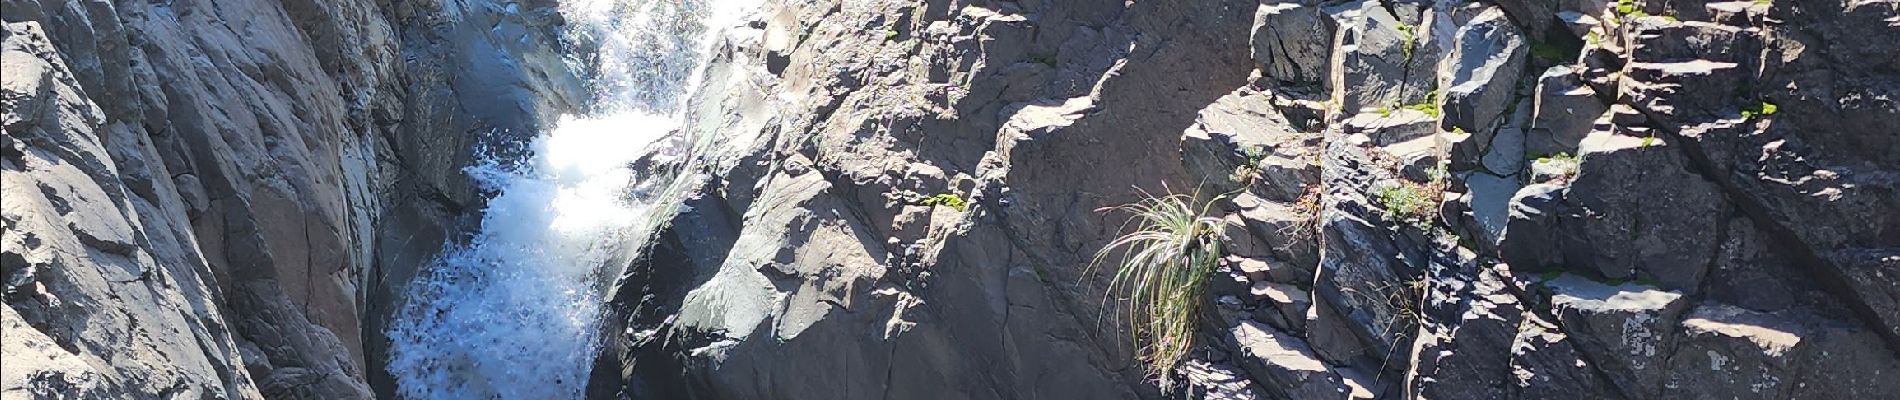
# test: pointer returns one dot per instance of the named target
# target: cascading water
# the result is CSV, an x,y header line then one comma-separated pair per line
x,y
511,314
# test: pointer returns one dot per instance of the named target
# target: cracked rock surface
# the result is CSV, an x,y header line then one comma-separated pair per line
x,y
1574,199
1599,211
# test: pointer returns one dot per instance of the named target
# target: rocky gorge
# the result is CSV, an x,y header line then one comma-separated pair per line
x,y
831,199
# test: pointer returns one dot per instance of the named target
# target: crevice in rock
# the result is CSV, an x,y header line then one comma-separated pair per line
x,y
1828,274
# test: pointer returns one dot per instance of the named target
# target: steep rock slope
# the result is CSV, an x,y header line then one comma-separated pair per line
x,y
211,198
1518,199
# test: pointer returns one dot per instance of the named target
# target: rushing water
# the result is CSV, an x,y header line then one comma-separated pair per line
x,y
510,314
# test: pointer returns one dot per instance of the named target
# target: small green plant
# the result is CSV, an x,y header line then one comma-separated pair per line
x,y
1406,202
1761,109
1438,174
1167,250
1384,112
1764,3
1410,40
1626,7
1546,51
1565,163
947,200
1044,59
1649,141
890,34
1429,106
1564,158
1593,39
1245,173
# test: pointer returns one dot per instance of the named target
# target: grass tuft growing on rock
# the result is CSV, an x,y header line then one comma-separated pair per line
x,y
1406,201
1167,250
1549,52
1305,228
1043,58
1759,110
947,200
1409,40
1429,106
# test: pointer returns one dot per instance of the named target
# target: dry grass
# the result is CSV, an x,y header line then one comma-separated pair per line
x,y
1306,228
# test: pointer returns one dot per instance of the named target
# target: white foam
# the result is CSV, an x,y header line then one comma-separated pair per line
x,y
511,313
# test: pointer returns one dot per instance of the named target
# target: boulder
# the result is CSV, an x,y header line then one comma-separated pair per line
x,y
1480,74
1283,364
1565,112
1212,381
1390,127
1531,239
1546,364
1466,360
1489,201
1637,211
1506,153
1291,41
1627,329
1732,352
1379,60
1729,352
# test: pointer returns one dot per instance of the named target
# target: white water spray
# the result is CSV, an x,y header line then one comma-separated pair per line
x,y
512,313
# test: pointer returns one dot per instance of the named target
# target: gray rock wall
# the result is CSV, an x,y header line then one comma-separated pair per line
x,y
1448,200
217,199
1609,211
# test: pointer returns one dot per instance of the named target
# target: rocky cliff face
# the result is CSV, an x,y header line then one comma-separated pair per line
x,y
1429,199
217,199
1513,199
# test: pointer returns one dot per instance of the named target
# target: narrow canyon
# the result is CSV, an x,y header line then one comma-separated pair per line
x,y
950,199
